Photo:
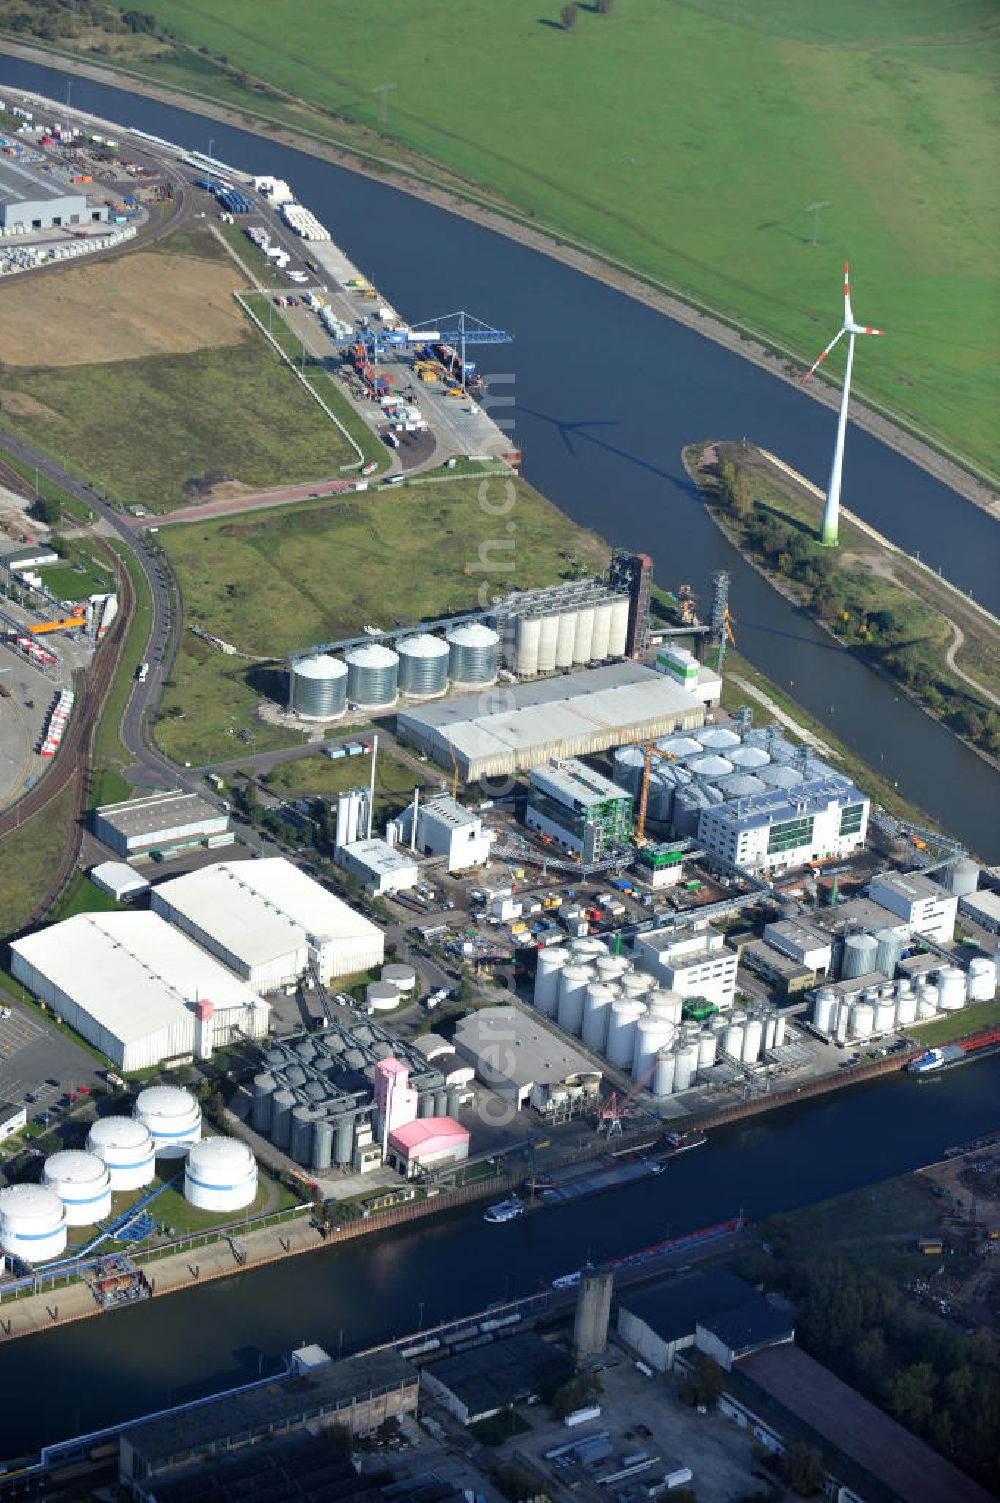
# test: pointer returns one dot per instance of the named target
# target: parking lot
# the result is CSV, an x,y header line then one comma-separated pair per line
x,y
32,1055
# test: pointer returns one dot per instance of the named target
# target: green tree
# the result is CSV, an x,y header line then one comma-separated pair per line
x,y
579,1393
703,1383
802,1468
48,510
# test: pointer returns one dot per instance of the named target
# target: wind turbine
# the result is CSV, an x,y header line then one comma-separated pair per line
x,y
831,513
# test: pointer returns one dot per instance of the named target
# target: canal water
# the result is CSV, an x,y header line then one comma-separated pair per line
x,y
606,394
114,1366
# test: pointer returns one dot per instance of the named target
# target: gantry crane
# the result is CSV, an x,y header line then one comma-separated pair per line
x,y
461,329
612,1113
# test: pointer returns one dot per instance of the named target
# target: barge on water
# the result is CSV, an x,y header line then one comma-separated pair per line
x,y
949,1055
606,1173
645,1255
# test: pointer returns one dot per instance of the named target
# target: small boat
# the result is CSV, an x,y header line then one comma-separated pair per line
x,y
683,1142
504,1210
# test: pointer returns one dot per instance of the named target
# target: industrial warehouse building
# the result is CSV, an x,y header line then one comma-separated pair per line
x,y
269,922
446,828
500,732
707,1310
521,1060
924,905
129,984
160,822
824,817
475,1384
579,809
32,201
378,865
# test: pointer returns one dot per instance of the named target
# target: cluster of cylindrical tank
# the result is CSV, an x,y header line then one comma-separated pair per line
x,y
894,1005
595,631
373,675
624,1015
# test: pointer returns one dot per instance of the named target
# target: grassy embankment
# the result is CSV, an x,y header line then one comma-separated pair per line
x,y
878,602
204,402
970,1020
279,580
739,119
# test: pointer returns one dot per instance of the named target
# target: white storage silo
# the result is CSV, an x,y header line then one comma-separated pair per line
x,y
621,1031
629,765
708,1045
951,988
770,1029
381,996
423,666
573,984
889,948
550,962
566,639
685,1066
601,639
663,1076
651,1035
779,1031
753,1038
749,758
732,1041
825,1009
860,955
885,1016
610,968
906,1006
862,1020
126,1147
666,1005
597,1002
475,651
83,1184
32,1223
220,1175
588,946
529,631
318,687
173,1117
962,878
584,635
981,982
372,675
636,985
927,1000
402,976
547,643
618,637
717,738
843,1021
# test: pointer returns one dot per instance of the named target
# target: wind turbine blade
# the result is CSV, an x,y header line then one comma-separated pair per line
x,y
870,331
848,315
839,335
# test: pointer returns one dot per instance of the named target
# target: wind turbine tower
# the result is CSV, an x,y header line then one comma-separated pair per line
x,y
831,512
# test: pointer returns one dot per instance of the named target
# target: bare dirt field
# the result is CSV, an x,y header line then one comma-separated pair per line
x,y
147,304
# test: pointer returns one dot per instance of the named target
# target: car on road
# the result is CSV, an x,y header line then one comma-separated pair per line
x,y
31,1096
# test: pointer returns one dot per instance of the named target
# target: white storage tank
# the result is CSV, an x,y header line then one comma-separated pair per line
x,y
318,687
885,1016
906,1006
718,738
584,639
372,675
32,1223
381,996
528,638
548,642
889,948
843,1020
951,988
621,1031
475,650
629,765
666,1005
708,1045
573,985
597,1002
663,1076
636,985
423,666
732,1041
685,1066
981,983
565,639
770,1029
860,955
780,1026
400,975
126,1147
749,758
83,1184
962,879
651,1035
862,1020
618,637
611,968
601,640
550,962
173,1117
220,1175
927,1001
753,1038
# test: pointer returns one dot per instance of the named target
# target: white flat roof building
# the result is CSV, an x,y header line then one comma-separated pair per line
x,y
446,828
517,1057
129,984
378,865
810,947
267,920
506,730
983,907
691,962
119,880
824,817
162,820
925,906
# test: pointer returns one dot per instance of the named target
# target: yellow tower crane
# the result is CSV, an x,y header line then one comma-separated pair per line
x,y
651,750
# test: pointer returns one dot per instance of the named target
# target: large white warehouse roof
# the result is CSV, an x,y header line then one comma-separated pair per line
x,y
529,723
264,918
128,982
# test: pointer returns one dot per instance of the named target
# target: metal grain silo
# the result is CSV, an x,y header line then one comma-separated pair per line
x,y
663,1076
454,1100
778,775
343,1139
423,666
527,640
860,956
301,1138
962,878
717,738
629,764
597,1002
260,1111
573,984
889,949
550,962
322,1145
474,654
680,747
740,785
282,1103
660,803
318,687
710,767
566,639
584,640
547,642
372,675
749,758
425,1104
601,639
688,805
618,637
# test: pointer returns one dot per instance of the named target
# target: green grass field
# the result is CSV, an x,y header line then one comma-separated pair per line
x,y
209,699
739,117
280,580
969,1020
28,860
394,779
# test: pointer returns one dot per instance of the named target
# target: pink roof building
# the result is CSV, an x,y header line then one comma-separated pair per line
x,y
427,1139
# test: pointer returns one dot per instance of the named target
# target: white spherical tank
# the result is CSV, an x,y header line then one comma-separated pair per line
x,y
753,1038
651,1035
32,1223
885,1016
981,983
83,1184
597,1002
951,988
732,1041
173,1117
621,1031
663,1076
862,1020
126,1147
573,985
550,962
381,996
685,1066
220,1175
708,1046
906,1006
400,975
